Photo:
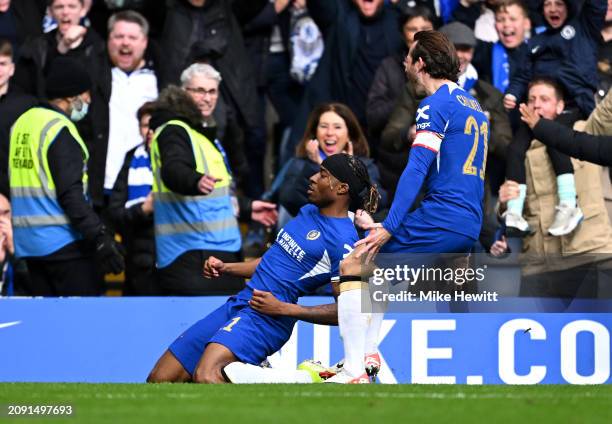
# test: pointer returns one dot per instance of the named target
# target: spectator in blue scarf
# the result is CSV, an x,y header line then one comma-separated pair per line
x,y
131,211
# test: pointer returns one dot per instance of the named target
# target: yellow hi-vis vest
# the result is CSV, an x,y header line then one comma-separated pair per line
x,y
40,226
203,222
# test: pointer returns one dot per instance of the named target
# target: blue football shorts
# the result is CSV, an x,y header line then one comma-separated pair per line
x,y
249,335
416,236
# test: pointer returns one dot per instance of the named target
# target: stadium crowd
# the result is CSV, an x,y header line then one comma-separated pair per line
x,y
168,132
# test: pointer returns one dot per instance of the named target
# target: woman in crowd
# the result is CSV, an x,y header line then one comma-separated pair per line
x,y
332,128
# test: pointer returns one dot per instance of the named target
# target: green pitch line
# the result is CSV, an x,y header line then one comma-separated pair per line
x,y
313,403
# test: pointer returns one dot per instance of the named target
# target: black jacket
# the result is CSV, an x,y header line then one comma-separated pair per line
x,y
27,18
12,105
65,159
583,146
257,33
219,42
225,127
569,54
388,82
340,23
394,145
96,126
37,53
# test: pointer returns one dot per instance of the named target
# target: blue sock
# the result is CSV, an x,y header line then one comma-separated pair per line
x,y
566,189
516,205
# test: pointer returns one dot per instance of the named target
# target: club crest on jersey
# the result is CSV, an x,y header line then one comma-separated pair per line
x,y
313,235
568,32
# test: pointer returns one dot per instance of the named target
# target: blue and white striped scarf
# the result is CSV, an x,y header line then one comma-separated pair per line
x,y
140,177
469,78
500,67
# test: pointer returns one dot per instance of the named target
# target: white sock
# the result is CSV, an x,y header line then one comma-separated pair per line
x,y
353,325
371,342
378,313
241,373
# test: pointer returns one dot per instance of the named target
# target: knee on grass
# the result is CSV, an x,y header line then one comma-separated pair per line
x,y
159,376
208,376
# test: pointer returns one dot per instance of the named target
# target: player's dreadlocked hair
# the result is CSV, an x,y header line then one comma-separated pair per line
x,y
368,195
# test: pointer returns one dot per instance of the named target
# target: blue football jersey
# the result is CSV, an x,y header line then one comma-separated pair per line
x,y
305,255
452,124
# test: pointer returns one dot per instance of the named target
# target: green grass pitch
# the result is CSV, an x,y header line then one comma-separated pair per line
x,y
313,403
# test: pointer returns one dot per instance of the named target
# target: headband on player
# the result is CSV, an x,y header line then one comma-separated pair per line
x,y
344,168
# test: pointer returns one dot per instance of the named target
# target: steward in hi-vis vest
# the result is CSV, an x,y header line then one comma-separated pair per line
x,y
194,214
204,221
55,228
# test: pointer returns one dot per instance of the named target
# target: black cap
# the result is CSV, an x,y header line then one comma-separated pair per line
x,y
66,77
459,34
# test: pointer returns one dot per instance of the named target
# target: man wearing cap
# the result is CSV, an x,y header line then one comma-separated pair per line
x,y
55,227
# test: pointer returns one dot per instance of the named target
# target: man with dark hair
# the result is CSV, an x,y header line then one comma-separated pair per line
x,y
448,155
490,99
452,130
55,227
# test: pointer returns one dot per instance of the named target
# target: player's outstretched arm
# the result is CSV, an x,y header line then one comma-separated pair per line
x,y
410,182
214,268
266,303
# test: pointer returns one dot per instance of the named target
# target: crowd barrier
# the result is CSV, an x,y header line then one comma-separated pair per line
x,y
100,340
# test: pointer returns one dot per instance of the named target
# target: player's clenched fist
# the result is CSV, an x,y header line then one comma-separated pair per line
x,y
213,267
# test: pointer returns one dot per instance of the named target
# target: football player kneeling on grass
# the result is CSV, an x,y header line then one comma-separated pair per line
x,y
230,343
